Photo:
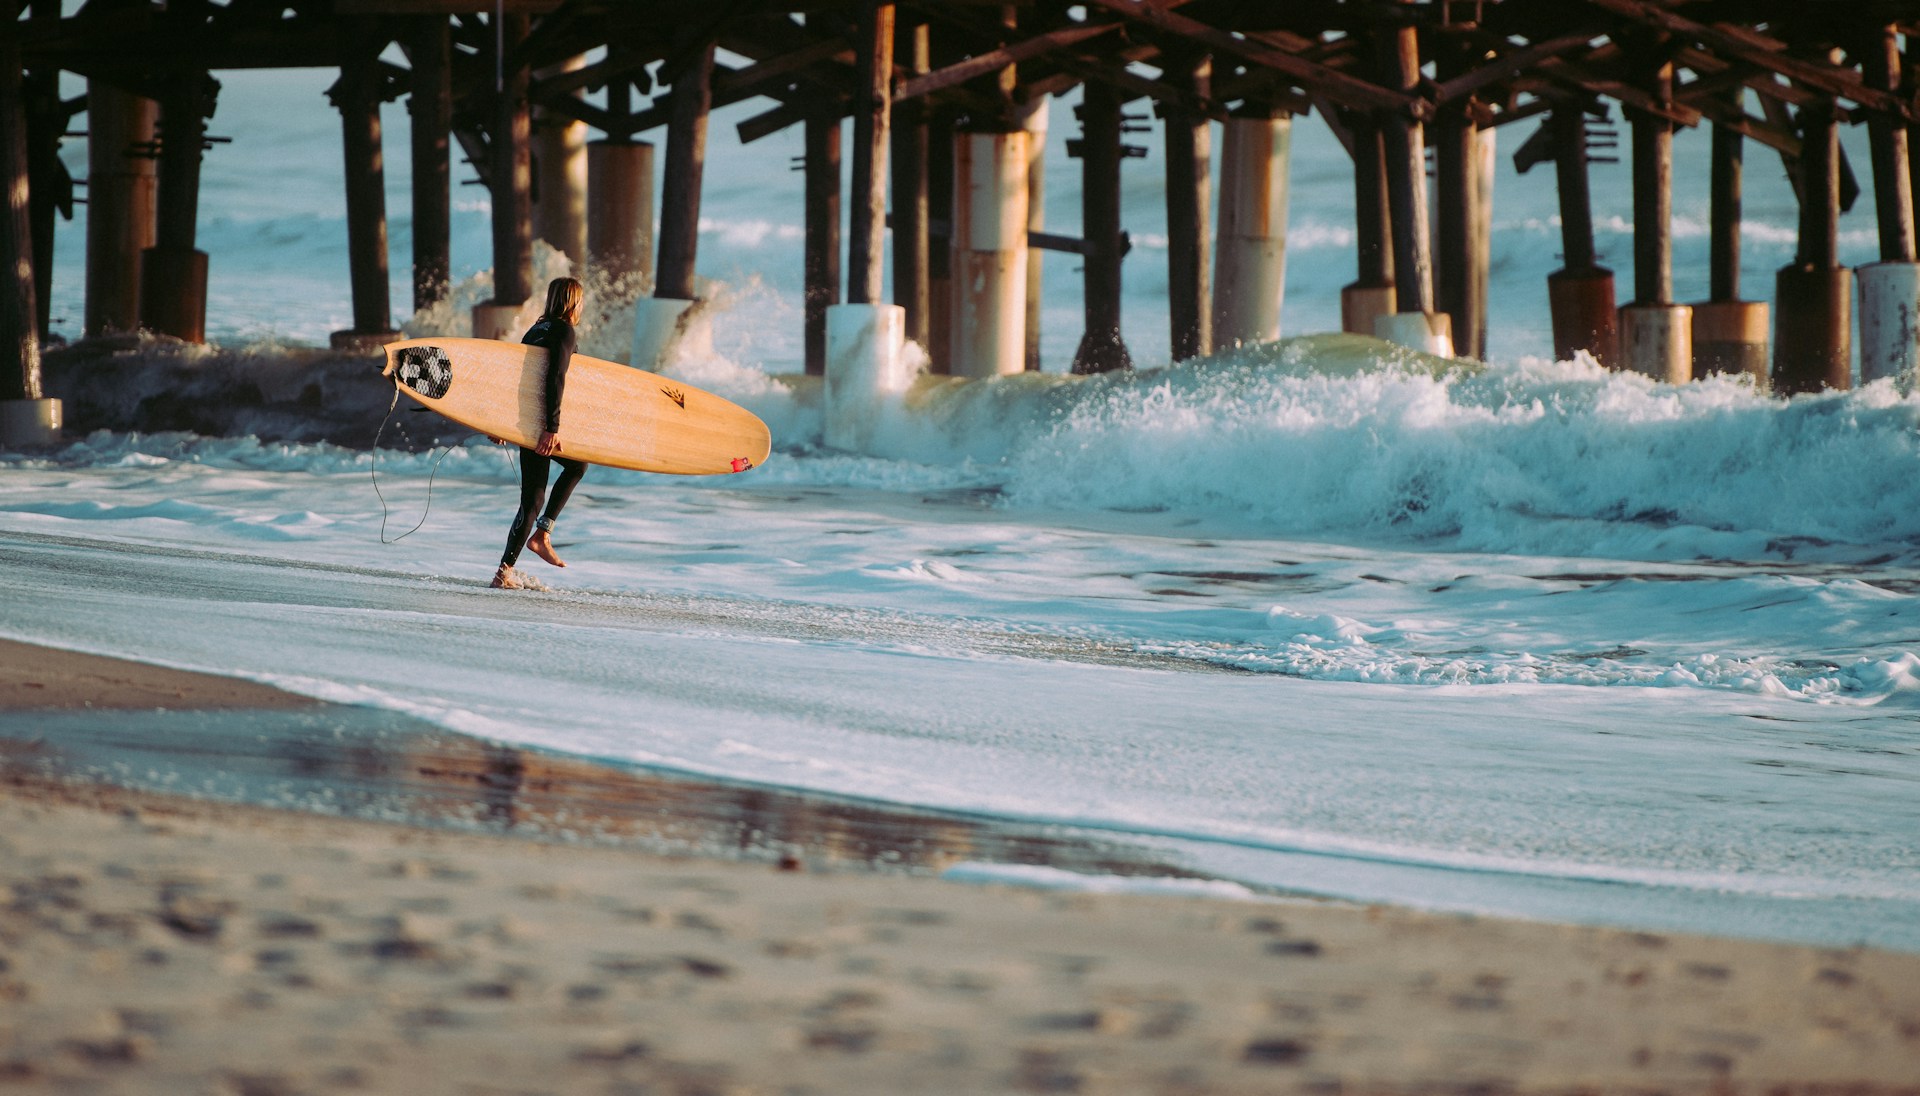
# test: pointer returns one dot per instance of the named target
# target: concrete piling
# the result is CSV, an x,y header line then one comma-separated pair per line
x,y
989,253
1250,247
620,193
173,274
560,176
1729,334
1813,329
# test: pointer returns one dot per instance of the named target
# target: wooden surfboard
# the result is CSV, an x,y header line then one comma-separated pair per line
x,y
610,414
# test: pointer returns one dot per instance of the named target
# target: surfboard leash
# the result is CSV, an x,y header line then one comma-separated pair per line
x,y
373,471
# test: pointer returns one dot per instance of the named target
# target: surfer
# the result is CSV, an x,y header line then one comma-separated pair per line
x,y
554,331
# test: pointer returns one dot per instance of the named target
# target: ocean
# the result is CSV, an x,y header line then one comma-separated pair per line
x,y
1533,639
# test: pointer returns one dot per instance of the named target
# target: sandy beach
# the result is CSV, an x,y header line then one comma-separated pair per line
x,y
163,944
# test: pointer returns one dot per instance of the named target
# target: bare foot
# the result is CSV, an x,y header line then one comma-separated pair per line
x,y
542,545
506,578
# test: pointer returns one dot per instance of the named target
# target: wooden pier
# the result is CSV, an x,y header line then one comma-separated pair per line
x,y
948,101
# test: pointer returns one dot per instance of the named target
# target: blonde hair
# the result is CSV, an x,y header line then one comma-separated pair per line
x,y
564,297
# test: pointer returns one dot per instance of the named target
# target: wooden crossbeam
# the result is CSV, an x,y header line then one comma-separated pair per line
x,y
995,60
609,70
1589,81
1766,52
1334,84
1509,65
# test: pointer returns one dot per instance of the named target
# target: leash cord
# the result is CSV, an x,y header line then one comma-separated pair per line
x,y
373,471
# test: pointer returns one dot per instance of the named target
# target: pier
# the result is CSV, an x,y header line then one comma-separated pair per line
x,y
579,115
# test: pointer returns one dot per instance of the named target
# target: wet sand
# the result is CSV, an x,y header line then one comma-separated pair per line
x,y
526,923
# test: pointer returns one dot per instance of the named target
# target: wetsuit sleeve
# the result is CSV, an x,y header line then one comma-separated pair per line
x,y
560,344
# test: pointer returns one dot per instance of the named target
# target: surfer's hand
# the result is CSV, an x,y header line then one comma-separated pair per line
x,y
549,443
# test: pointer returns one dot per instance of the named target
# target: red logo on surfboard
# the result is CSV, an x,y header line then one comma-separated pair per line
x,y
741,464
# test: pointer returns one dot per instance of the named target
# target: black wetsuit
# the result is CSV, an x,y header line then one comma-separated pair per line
x,y
558,337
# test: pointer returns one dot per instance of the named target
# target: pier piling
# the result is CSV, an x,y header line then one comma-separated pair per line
x,y
620,193
510,179
660,323
27,417
1656,335
1189,190
121,187
560,175
910,164
1250,246
1890,288
989,253
1102,348
1372,294
821,227
1415,323
1580,294
357,96
1813,329
1729,334
430,114
173,274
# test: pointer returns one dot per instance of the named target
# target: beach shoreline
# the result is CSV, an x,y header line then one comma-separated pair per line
x,y
156,943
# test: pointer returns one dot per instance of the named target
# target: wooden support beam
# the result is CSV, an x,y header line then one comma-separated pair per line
x,y
1101,347
1373,214
1407,176
1508,65
822,247
1724,213
1458,284
1336,85
357,97
1653,199
510,145
1586,81
872,122
1189,191
911,240
692,101
617,68
1765,52
1819,190
1892,184
19,308
994,60
1576,200
430,110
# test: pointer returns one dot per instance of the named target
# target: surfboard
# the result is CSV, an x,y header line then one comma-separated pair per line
x,y
610,413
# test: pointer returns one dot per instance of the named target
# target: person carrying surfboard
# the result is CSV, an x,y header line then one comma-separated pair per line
x,y
553,331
